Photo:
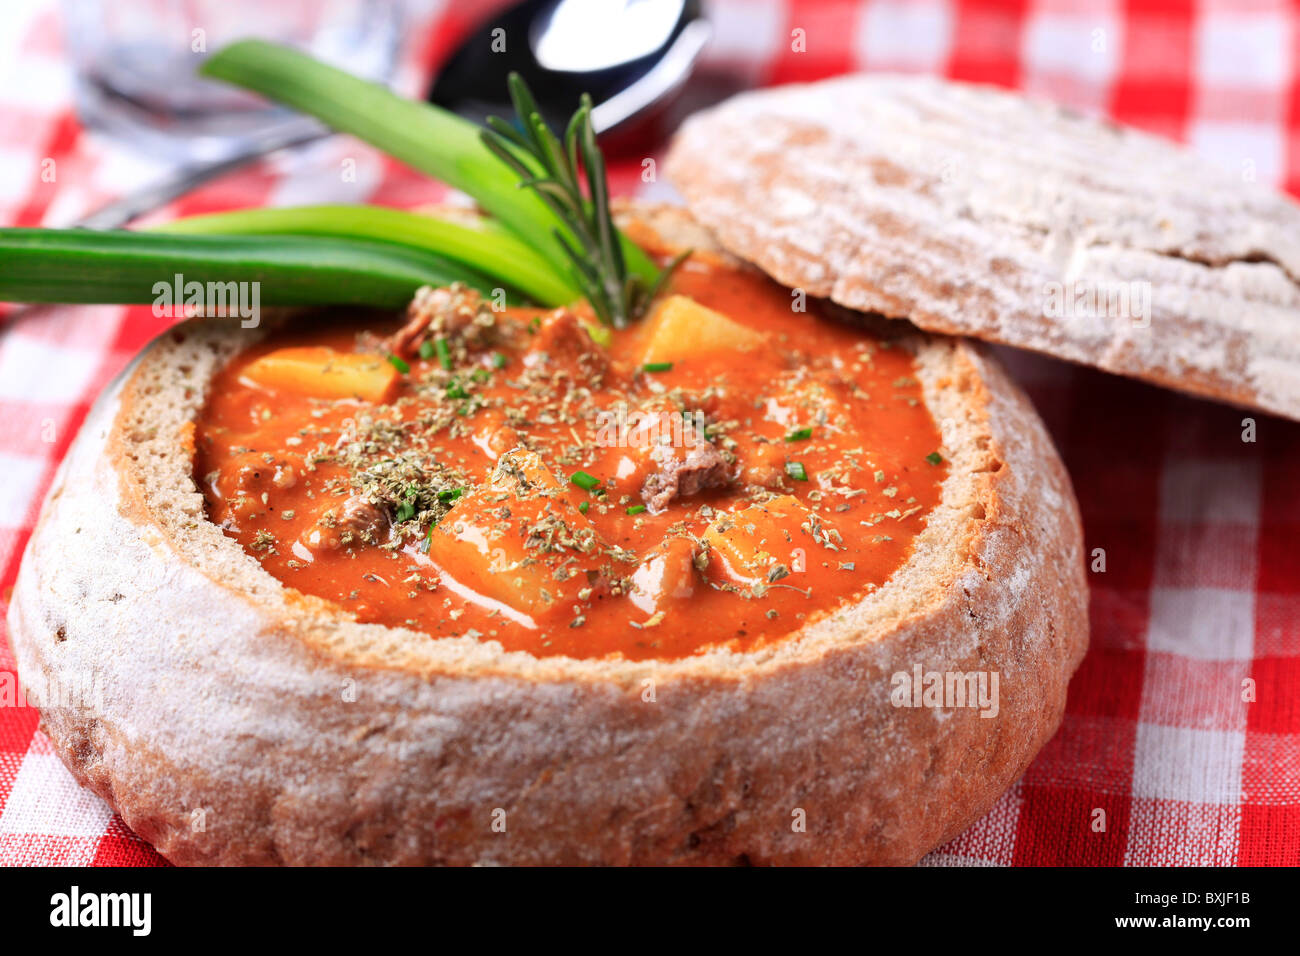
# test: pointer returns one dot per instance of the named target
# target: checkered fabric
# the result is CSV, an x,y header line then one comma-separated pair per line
x,y
1181,740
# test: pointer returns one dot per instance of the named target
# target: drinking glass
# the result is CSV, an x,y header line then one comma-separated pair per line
x,y
136,63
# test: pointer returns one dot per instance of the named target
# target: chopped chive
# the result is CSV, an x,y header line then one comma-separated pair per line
x,y
657,367
534,324
399,364
426,349
600,334
454,390
584,481
584,507
796,470
480,375
498,360
799,434
934,458
636,509
444,353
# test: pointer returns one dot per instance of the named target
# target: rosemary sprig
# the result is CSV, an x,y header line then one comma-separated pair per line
x,y
555,171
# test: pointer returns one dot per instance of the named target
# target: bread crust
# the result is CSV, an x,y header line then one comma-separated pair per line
x,y
230,720
973,211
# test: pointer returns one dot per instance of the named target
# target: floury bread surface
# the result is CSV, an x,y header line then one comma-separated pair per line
x,y
974,211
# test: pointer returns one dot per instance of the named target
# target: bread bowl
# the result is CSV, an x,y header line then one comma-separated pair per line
x,y
236,720
972,210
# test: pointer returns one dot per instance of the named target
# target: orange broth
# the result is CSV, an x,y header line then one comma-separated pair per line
x,y
820,394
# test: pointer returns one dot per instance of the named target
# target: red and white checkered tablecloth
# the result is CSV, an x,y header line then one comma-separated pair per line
x,y
1183,724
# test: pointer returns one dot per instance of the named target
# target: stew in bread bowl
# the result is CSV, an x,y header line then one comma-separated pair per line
x,y
607,549
349,639
501,473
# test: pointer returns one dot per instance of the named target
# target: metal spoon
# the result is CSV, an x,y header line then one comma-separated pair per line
x,y
630,55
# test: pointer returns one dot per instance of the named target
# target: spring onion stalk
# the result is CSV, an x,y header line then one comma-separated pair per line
x,y
85,266
484,246
427,138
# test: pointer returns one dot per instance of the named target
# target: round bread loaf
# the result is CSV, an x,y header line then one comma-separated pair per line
x,y
974,211
232,720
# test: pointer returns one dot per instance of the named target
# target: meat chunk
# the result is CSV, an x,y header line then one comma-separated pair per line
x,y
360,521
560,339
455,312
681,476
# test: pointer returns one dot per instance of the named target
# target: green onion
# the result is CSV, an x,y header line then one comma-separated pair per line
x,y
424,137
549,232
450,494
799,434
584,507
444,353
454,390
657,367
480,375
81,265
934,458
400,364
498,360
584,481
796,470
426,350
483,245
636,509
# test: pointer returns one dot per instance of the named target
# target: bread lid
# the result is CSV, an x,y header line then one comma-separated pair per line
x,y
973,211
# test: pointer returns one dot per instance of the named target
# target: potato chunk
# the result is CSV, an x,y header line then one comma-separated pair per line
x,y
324,373
666,575
520,541
762,543
680,327
523,472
